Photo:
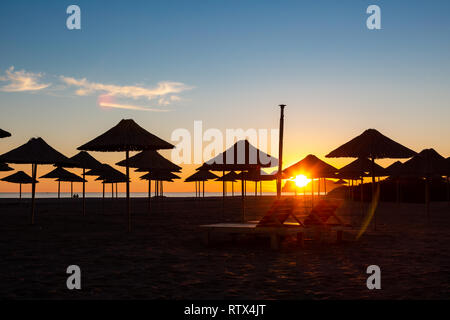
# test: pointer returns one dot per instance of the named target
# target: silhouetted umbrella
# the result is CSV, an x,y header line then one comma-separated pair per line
x,y
159,177
242,156
201,176
150,160
84,160
36,151
19,177
372,145
311,167
229,177
4,134
126,136
426,164
5,167
360,168
62,175
71,178
394,172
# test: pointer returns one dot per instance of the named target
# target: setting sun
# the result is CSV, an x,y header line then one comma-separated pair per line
x,y
301,181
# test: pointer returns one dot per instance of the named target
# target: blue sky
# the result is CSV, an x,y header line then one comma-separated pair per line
x,y
238,60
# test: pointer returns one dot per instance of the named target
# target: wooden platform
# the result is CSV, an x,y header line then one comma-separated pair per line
x,y
275,233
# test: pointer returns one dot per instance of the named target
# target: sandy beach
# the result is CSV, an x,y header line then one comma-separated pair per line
x,y
164,256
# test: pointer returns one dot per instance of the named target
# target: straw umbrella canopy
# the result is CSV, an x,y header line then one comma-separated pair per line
x,y
71,178
312,167
62,175
4,134
242,156
371,144
84,160
35,152
5,167
229,177
394,171
159,177
426,164
201,176
126,136
20,178
150,160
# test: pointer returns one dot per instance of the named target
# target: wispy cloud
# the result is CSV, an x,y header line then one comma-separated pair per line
x,y
129,107
164,92
20,81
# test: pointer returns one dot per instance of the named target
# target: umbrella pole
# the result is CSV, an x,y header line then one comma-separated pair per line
x,y
397,187
373,191
149,194
20,191
448,191
112,191
243,200
427,198
203,189
59,189
127,155
33,190
103,198
260,188
84,192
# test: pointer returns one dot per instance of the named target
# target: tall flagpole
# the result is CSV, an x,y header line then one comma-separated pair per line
x,y
280,151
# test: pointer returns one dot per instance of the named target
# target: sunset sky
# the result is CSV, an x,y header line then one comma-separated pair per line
x,y
229,64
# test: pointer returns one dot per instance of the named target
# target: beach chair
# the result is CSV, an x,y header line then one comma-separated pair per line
x,y
321,217
273,224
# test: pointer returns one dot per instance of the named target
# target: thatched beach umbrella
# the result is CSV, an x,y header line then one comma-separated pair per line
x,y
371,144
19,177
61,175
71,178
311,167
84,160
36,151
5,167
126,136
242,156
394,171
201,176
229,177
4,134
159,177
426,164
150,161
360,168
